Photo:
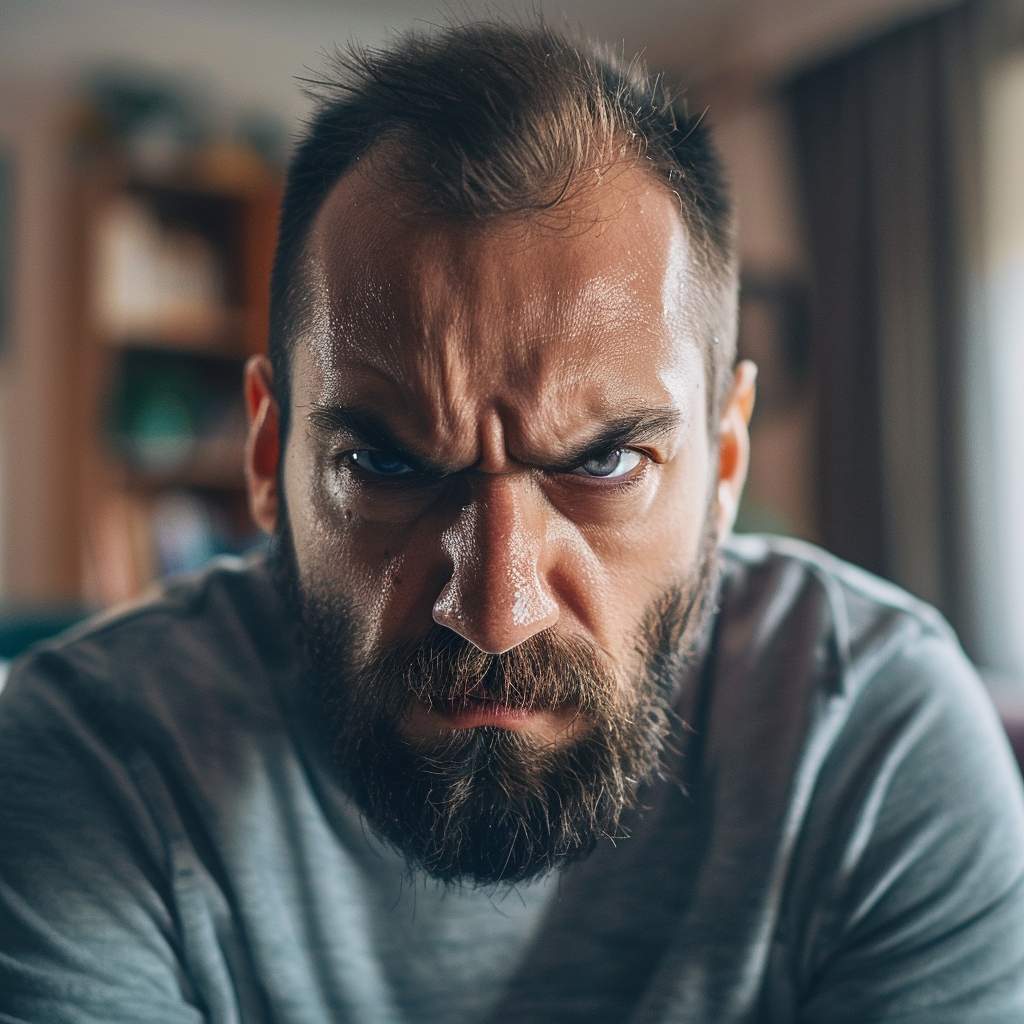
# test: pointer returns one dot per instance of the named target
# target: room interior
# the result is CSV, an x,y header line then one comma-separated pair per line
x,y
875,149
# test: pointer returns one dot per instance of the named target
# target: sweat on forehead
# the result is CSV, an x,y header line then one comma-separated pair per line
x,y
492,120
456,307
374,254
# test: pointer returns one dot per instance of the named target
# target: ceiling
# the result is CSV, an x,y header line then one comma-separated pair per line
x,y
250,51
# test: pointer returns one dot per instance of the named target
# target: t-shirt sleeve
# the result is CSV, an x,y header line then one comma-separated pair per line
x,y
911,889
87,930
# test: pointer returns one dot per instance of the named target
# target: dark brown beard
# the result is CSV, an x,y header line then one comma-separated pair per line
x,y
488,804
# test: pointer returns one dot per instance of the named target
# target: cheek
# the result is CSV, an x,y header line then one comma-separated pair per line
x,y
681,518
385,569
608,574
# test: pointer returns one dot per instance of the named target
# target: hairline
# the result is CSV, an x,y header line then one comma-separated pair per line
x,y
717,284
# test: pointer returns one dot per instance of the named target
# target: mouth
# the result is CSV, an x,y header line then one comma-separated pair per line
x,y
480,713
549,724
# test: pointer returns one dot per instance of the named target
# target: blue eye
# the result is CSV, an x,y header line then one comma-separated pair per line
x,y
610,466
379,463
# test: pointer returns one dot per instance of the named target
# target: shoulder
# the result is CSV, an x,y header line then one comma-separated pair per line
x,y
852,670
810,653
829,637
115,739
910,848
107,728
783,584
230,600
190,654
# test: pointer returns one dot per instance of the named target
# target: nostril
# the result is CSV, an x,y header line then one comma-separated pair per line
x,y
492,622
448,608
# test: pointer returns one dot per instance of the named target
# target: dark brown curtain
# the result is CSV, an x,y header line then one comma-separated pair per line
x,y
888,151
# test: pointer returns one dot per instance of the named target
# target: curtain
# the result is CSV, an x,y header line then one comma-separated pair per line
x,y
888,150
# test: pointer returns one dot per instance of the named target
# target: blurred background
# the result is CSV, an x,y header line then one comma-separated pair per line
x,y
876,152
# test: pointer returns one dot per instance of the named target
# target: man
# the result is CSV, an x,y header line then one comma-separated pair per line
x,y
508,728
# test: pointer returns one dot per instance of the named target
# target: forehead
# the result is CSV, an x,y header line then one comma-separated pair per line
x,y
594,304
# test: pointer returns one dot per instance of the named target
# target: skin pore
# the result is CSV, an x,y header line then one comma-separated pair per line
x,y
500,428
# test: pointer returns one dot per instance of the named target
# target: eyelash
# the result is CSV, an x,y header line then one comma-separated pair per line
x,y
414,478
347,461
615,484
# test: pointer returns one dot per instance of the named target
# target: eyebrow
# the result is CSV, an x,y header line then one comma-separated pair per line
x,y
369,429
647,424
642,425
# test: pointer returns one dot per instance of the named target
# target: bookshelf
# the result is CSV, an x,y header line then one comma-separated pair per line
x,y
173,293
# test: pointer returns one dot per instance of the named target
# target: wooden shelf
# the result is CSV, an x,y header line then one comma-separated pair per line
x,y
224,170
230,201
220,332
192,475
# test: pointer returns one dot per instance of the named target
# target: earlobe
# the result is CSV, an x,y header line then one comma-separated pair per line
x,y
734,445
262,448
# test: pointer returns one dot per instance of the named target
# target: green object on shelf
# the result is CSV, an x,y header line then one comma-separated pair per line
x,y
161,431
164,402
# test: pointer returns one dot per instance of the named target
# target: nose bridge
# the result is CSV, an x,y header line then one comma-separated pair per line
x,y
496,597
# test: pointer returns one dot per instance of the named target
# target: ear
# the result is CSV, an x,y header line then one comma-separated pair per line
x,y
734,444
262,446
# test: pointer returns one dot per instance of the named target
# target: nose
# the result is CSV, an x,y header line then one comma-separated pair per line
x,y
496,597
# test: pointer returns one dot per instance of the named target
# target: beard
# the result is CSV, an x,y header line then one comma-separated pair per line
x,y
488,804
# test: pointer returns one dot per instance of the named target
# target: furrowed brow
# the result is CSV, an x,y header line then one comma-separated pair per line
x,y
369,429
645,425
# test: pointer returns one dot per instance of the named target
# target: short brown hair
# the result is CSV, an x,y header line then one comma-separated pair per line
x,y
500,120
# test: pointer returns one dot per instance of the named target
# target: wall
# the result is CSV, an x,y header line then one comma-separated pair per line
x,y
40,557
1004,285
754,140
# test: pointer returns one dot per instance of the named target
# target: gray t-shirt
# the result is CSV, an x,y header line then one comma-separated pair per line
x,y
843,841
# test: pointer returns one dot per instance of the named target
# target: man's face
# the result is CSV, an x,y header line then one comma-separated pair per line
x,y
499,456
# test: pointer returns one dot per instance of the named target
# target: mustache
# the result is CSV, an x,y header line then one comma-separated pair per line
x,y
489,805
444,672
